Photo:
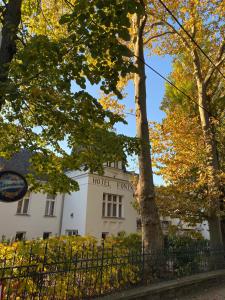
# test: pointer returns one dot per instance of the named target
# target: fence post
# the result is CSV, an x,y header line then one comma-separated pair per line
x,y
143,261
41,273
101,267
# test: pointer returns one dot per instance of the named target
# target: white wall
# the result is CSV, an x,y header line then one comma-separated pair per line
x,y
201,228
82,210
35,223
74,213
115,182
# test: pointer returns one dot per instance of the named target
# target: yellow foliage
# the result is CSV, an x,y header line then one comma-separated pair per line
x,y
180,157
66,267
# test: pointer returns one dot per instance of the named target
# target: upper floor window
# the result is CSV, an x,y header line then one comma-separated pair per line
x,y
112,206
23,205
50,205
114,164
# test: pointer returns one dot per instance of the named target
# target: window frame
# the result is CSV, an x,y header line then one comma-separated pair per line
x,y
46,232
73,231
112,206
20,210
113,164
104,235
165,224
23,236
50,205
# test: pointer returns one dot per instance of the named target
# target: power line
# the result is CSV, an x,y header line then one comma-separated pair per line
x,y
192,39
173,85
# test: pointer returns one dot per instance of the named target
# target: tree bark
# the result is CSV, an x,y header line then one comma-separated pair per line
x,y
151,229
11,21
216,240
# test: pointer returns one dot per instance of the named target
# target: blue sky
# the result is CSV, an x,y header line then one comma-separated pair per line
x,y
155,91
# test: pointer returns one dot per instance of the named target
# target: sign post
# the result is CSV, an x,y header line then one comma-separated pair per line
x,y
13,186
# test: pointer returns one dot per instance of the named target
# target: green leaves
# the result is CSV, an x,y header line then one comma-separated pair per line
x,y
98,26
62,46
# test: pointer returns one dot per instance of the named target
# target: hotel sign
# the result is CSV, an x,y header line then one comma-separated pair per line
x,y
13,186
124,186
101,181
108,183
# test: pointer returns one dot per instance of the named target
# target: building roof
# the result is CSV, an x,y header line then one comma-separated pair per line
x,y
19,162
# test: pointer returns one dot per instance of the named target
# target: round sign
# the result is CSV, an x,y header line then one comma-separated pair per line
x,y
13,186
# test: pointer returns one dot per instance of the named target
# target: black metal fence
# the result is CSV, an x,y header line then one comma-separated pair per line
x,y
71,273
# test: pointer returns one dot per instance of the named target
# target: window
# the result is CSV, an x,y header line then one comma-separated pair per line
x,y
165,225
71,232
139,225
20,236
120,207
23,205
46,235
112,206
104,235
50,205
114,164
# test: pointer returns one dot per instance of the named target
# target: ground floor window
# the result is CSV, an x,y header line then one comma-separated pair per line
x,y
165,224
139,225
112,206
20,236
71,232
46,235
104,235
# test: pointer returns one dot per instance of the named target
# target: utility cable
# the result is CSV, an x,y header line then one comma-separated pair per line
x,y
192,39
173,85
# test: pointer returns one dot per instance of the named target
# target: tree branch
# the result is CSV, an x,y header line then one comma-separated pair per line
x,y
219,61
197,64
158,35
153,25
186,44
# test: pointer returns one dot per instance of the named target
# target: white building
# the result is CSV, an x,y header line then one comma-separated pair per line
x,y
103,206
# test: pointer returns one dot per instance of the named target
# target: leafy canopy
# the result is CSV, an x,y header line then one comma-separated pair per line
x,y
61,46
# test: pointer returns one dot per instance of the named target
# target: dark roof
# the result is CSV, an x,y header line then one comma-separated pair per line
x,y
19,162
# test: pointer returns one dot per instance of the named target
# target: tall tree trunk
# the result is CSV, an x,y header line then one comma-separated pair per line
x,y
216,240
11,21
151,229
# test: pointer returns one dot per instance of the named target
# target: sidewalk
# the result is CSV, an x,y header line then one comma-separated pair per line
x,y
202,286
214,293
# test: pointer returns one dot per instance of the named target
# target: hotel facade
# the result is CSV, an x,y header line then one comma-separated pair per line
x,y
104,205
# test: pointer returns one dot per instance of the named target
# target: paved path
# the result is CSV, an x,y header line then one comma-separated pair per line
x,y
214,293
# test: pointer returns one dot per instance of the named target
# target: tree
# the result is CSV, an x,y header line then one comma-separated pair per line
x,y
151,230
39,109
152,237
180,154
179,157
204,20
10,23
